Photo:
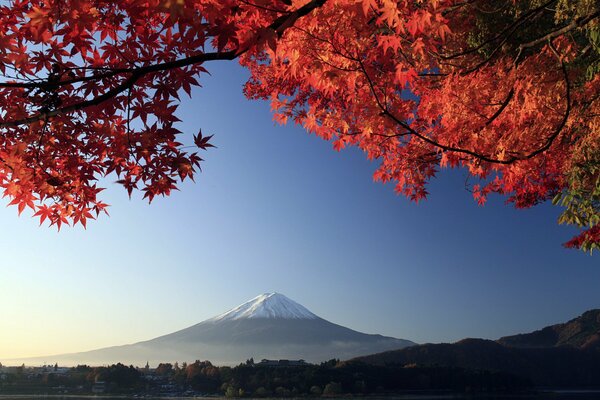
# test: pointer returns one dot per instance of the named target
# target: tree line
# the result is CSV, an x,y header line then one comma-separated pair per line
x,y
330,378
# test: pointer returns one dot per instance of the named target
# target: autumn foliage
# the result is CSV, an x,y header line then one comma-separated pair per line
x,y
508,90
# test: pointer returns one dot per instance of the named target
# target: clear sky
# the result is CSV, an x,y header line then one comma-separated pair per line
x,y
276,209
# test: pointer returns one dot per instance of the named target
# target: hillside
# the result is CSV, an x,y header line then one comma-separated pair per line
x,y
582,332
562,355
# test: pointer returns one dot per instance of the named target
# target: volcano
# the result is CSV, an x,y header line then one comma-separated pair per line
x,y
270,326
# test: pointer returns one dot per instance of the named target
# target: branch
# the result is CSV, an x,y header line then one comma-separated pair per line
x,y
509,29
502,107
576,23
286,21
279,25
487,158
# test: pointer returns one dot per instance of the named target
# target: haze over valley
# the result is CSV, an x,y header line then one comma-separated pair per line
x,y
269,326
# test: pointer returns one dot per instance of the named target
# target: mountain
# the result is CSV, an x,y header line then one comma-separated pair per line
x,y
562,355
582,332
268,326
268,305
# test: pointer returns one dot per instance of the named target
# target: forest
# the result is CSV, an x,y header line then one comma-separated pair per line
x,y
331,378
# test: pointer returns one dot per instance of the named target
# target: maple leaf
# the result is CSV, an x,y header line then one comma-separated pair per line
x,y
404,76
43,212
202,141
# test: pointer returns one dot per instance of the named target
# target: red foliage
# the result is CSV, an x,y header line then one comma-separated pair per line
x,y
591,235
91,87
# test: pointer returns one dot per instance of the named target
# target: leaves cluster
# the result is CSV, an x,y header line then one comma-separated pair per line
x,y
507,90
91,88
502,90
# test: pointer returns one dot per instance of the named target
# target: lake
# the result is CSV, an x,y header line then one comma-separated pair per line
x,y
550,395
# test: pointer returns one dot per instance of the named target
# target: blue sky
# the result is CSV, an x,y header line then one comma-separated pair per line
x,y
276,209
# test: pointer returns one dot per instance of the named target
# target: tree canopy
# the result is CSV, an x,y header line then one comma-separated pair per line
x,y
508,90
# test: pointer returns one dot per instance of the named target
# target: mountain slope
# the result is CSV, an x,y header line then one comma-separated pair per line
x,y
561,355
581,332
268,326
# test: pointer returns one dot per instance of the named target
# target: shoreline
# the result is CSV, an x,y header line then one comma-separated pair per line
x,y
409,395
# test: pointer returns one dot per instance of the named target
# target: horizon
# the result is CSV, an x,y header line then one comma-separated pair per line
x,y
259,298
277,208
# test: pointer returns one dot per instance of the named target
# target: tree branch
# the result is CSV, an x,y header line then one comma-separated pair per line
x,y
508,30
502,107
576,23
279,25
487,158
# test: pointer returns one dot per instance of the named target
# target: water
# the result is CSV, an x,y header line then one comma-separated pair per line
x,y
557,395
554,395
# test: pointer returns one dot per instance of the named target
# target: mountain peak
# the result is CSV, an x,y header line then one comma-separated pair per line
x,y
267,305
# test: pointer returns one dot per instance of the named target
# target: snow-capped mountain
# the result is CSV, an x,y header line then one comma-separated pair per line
x,y
267,305
268,326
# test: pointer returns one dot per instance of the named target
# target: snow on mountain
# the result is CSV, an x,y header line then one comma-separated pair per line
x,y
269,326
267,305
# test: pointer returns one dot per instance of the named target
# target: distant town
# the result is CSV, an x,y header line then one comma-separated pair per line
x,y
266,378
